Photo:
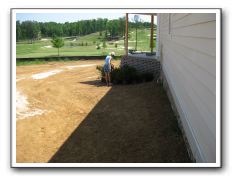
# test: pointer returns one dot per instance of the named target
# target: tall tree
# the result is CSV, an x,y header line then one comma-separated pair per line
x,y
18,31
32,30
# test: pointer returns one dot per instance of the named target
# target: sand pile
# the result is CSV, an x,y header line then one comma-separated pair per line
x,y
79,66
22,107
45,74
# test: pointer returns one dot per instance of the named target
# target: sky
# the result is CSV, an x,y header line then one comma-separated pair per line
x,y
72,17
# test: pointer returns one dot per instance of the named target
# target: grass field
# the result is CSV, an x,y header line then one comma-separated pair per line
x,y
73,46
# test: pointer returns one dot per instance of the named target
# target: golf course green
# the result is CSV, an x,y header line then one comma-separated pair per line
x,y
84,45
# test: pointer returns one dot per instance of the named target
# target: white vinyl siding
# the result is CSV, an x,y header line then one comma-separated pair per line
x,y
187,45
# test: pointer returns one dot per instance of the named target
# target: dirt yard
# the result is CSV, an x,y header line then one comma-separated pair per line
x,y
64,114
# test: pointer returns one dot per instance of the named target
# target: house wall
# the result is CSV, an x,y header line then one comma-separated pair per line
x,y
187,45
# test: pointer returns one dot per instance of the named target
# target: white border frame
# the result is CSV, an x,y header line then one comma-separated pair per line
x,y
114,10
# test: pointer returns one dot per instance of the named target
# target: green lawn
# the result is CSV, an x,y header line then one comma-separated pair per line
x,y
143,36
73,46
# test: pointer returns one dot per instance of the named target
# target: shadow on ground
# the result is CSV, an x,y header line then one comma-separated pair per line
x,y
130,124
94,83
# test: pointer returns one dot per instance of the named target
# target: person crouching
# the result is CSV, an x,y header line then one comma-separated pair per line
x,y
107,68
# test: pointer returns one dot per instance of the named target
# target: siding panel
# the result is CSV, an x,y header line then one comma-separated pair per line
x,y
202,130
194,19
206,46
204,77
193,107
179,16
206,62
196,76
204,30
189,64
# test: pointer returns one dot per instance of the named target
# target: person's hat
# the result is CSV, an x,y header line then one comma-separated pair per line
x,y
112,53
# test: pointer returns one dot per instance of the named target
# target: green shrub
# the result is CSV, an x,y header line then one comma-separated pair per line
x,y
117,76
100,69
129,74
125,75
37,61
147,77
66,59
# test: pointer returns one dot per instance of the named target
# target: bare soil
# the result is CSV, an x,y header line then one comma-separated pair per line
x,y
85,121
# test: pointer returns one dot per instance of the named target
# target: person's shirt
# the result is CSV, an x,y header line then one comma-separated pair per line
x,y
107,60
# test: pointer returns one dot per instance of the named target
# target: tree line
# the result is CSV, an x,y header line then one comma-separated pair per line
x,y
33,30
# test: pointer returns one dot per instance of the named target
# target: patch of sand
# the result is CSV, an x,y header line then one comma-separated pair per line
x,y
21,103
135,41
79,66
89,77
116,48
19,79
22,107
44,39
48,46
119,41
45,74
